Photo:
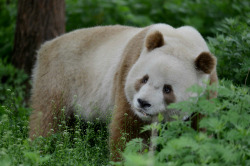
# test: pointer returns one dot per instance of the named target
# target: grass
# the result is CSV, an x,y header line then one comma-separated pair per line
x,y
87,144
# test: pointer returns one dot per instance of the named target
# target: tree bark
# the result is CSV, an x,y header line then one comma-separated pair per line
x,y
37,21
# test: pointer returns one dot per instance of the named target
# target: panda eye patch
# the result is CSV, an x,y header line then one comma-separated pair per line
x,y
145,79
167,89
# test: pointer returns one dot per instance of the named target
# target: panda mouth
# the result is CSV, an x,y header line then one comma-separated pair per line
x,y
144,113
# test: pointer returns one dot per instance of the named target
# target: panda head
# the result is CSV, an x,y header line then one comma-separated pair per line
x,y
167,66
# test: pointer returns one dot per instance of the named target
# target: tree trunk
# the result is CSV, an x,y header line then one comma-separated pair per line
x,y
37,21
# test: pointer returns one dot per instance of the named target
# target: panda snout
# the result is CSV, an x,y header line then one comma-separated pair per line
x,y
143,103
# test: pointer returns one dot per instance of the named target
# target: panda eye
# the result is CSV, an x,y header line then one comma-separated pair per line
x,y
167,89
144,79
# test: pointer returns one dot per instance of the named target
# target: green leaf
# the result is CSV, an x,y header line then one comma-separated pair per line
x,y
160,117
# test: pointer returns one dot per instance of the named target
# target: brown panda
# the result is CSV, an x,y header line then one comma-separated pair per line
x,y
131,73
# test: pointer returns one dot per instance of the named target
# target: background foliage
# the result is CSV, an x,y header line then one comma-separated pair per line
x,y
223,23
231,46
204,15
8,13
225,26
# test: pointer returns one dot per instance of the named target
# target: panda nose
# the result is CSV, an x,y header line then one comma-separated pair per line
x,y
143,103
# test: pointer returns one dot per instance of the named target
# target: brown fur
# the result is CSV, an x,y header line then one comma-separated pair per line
x,y
169,98
213,80
38,118
124,122
139,83
154,40
205,62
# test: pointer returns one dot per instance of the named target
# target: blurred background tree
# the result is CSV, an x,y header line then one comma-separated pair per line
x,y
37,22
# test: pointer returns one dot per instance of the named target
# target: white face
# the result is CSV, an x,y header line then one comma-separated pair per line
x,y
157,80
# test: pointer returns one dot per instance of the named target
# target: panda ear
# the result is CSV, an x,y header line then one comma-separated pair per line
x,y
205,62
154,40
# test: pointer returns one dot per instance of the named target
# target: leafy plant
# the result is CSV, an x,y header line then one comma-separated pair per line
x,y
225,142
231,46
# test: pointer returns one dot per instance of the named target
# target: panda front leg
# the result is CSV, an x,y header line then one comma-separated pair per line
x,y
116,141
124,127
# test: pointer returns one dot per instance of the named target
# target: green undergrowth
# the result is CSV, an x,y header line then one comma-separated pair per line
x,y
226,140
12,94
85,144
